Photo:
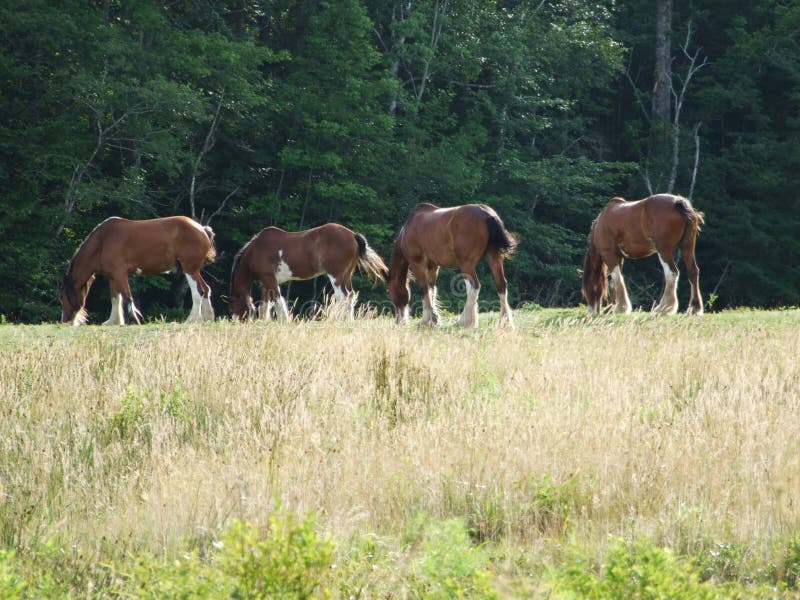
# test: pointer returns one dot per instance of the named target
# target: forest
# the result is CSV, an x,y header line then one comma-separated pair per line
x,y
244,114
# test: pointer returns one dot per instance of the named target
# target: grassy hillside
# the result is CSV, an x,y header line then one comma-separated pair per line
x,y
503,462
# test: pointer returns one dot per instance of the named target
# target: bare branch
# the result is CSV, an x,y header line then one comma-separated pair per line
x,y
221,206
208,144
696,136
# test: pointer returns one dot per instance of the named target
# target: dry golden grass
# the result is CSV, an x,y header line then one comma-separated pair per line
x,y
682,430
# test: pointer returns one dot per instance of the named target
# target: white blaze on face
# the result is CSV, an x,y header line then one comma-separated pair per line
x,y
282,272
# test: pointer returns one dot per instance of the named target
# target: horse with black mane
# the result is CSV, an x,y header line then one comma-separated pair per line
x,y
455,237
659,224
274,256
118,248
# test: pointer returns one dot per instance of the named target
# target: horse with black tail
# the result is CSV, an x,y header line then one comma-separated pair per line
x,y
455,237
659,224
274,256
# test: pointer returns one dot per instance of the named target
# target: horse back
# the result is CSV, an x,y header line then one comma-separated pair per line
x,y
446,236
307,253
154,245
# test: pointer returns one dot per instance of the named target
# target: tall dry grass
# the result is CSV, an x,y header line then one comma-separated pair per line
x,y
683,430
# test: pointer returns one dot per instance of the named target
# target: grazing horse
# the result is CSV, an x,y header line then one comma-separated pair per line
x,y
118,248
456,237
658,224
274,256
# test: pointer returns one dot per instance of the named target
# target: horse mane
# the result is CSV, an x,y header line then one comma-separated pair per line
x,y
238,258
588,271
67,281
422,206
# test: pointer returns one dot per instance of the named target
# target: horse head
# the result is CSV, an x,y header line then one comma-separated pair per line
x,y
242,307
73,299
595,285
399,293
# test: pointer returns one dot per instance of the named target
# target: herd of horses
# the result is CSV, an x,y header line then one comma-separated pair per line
x,y
431,237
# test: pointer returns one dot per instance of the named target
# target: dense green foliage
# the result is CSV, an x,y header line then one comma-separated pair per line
x,y
247,114
289,558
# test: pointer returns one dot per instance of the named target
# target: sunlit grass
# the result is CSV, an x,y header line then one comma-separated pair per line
x,y
567,430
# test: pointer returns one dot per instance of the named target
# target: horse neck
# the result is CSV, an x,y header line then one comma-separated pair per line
x,y
398,267
593,273
85,262
241,278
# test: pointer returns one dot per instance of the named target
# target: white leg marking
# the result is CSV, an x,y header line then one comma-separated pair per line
x,y
207,309
265,310
194,315
116,317
283,312
427,310
469,318
505,311
621,300
669,300
401,315
338,290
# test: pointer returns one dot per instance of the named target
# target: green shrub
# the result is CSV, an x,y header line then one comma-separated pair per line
x,y
449,565
289,561
11,584
637,571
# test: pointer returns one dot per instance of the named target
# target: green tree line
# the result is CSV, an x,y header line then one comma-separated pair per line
x,y
293,113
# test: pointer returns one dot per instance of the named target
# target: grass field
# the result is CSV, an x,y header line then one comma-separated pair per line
x,y
570,457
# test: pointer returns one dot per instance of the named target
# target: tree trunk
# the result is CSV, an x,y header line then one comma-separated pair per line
x,y
662,97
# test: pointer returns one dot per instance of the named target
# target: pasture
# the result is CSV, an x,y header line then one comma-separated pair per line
x,y
404,462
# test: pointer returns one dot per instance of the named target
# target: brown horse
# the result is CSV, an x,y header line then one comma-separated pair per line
x,y
456,237
118,248
274,256
657,224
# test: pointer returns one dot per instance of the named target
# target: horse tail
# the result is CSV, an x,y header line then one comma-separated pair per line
x,y
211,255
370,261
694,219
499,238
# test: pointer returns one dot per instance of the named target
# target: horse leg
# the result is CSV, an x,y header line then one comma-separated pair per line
x,y
266,305
431,275
693,273
495,260
198,285
272,291
429,318
343,295
197,299
117,316
469,318
622,303
668,304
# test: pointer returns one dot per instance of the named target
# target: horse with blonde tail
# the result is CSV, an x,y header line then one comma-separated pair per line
x,y
659,224
118,248
456,237
274,256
